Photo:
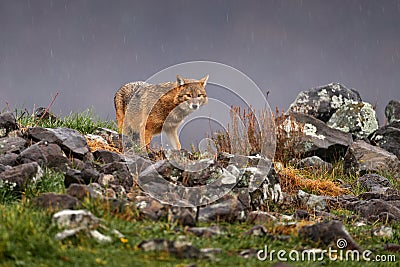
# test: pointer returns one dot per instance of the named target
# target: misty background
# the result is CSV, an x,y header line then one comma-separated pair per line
x,y
85,50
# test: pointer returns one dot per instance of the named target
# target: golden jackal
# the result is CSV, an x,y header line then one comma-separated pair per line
x,y
147,109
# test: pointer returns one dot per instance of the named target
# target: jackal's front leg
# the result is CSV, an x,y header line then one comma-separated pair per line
x,y
144,137
172,135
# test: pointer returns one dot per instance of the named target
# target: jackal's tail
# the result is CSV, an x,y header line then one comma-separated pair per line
x,y
122,98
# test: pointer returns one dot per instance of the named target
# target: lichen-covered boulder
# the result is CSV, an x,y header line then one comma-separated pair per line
x,y
358,119
323,101
309,136
388,138
392,111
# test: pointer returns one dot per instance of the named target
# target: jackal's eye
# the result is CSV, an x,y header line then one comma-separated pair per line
x,y
201,95
188,95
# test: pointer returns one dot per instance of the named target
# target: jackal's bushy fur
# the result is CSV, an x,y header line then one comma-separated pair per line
x,y
145,109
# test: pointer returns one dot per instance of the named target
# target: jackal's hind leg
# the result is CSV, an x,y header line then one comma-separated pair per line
x,y
120,115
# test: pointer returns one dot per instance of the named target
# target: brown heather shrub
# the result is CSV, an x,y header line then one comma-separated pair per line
x,y
248,136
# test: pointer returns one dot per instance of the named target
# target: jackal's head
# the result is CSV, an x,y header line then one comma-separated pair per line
x,y
192,94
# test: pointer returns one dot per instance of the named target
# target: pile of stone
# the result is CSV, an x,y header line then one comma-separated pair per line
x,y
333,124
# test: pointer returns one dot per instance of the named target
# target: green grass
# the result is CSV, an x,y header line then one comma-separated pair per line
x,y
52,181
85,122
27,237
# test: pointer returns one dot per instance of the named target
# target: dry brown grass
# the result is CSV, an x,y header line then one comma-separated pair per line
x,y
97,145
292,180
248,134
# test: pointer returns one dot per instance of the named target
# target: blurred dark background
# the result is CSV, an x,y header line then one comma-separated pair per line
x,y
86,50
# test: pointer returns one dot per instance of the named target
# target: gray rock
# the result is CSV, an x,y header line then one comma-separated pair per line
x,y
73,176
316,138
7,123
77,164
323,101
44,114
183,216
358,119
105,156
4,167
71,141
77,221
21,174
374,182
383,231
314,202
326,216
12,145
388,138
228,209
120,172
301,215
179,249
314,163
55,202
257,230
46,155
260,217
150,208
391,196
86,176
136,164
9,159
392,111
263,187
374,209
207,231
328,233
391,247
79,191
177,187
362,157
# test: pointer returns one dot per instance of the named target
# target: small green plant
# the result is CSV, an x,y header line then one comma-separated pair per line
x,y
85,122
7,193
51,181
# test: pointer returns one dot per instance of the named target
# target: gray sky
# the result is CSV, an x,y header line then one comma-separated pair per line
x,y
86,50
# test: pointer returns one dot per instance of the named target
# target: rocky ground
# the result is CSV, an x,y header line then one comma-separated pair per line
x,y
335,126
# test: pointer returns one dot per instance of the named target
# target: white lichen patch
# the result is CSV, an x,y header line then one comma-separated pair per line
x,y
370,123
358,118
323,95
336,101
302,98
311,130
334,86
301,103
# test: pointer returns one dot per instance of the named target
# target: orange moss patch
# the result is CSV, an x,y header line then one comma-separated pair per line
x,y
96,145
291,181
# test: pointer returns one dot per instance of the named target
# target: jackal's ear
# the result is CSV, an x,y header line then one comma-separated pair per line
x,y
180,80
204,81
